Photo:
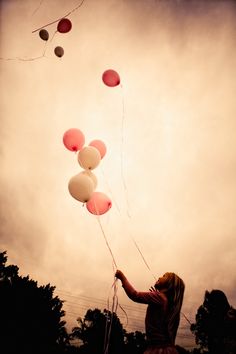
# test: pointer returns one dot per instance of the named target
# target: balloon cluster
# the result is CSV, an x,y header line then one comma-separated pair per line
x,y
63,26
82,186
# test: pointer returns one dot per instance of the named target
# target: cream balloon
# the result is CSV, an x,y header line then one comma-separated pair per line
x,y
81,187
89,158
91,175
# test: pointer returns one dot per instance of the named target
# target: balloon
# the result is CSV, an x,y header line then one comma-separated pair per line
x,y
100,146
73,139
89,158
99,203
59,51
64,25
81,187
92,176
43,34
111,78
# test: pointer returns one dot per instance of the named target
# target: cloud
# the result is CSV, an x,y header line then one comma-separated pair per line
x,y
170,127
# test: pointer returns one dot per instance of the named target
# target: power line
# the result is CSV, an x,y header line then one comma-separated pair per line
x,y
101,301
136,314
95,300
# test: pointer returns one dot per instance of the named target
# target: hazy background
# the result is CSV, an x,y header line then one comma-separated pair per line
x,y
170,167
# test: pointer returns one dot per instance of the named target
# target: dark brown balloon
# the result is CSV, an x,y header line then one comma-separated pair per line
x,y
59,51
43,34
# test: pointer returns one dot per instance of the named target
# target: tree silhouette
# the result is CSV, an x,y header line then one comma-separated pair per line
x,y
215,327
31,323
30,316
93,331
135,343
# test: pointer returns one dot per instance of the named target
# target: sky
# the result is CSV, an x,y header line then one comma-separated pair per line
x,y
169,128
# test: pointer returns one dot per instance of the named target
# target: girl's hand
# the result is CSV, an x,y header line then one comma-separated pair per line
x,y
119,274
152,288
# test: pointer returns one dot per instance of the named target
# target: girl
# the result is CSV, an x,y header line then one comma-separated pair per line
x,y
163,312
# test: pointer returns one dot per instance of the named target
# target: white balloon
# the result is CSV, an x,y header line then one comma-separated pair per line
x,y
91,175
81,187
89,157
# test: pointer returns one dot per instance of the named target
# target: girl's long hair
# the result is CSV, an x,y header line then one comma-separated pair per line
x,y
175,294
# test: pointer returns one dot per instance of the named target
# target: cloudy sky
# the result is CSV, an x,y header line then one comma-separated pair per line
x,y
169,128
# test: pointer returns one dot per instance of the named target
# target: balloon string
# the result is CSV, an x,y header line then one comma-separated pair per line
x,y
68,14
126,316
24,59
104,234
124,182
106,241
109,189
108,328
113,311
138,248
37,8
122,152
108,325
45,48
132,238
28,59
53,36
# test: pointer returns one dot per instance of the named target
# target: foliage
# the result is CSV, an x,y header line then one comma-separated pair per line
x,y
135,342
199,351
30,316
93,331
215,325
31,322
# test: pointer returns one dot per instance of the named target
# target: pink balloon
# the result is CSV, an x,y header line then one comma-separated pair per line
x,y
73,139
100,146
64,25
111,78
99,203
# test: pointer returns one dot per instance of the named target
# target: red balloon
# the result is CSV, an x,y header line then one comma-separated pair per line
x,y
64,25
100,146
73,139
99,203
111,78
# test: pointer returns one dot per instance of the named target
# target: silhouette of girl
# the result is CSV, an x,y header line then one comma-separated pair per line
x,y
164,302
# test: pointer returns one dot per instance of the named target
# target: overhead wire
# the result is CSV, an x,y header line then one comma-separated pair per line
x,y
58,19
136,313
